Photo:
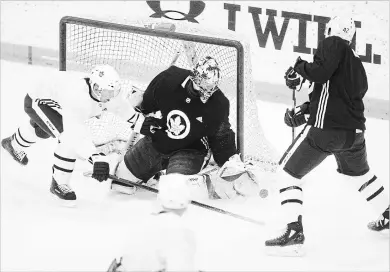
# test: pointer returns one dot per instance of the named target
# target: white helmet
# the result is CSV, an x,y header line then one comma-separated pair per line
x,y
105,82
206,76
174,192
341,27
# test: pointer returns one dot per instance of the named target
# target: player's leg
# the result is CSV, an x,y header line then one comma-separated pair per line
x,y
63,166
139,164
304,154
352,163
26,135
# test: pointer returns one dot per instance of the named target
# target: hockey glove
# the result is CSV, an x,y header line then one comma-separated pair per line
x,y
151,125
296,117
293,79
234,166
101,169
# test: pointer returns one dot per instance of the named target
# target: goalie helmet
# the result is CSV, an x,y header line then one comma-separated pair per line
x,y
105,82
206,76
341,27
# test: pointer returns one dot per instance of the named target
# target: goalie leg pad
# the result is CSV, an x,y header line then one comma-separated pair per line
x,y
143,160
123,172
201,187
186,162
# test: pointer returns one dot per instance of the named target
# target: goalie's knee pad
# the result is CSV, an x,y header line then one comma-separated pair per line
x,y
123,172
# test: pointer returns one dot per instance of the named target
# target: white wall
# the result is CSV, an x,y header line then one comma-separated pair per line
x,y
35,23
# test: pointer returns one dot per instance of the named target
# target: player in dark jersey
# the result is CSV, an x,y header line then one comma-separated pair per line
x,y
195,119
335,126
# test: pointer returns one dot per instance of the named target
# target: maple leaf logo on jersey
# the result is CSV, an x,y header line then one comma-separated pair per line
x,y
101,73
175,126
178,124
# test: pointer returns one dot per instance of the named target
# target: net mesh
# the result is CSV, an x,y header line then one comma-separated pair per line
x,y
108,127
140,57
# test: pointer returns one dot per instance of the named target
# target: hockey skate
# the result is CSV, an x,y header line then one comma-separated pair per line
x,y
115,265
381,225
290,243
18,155
64,193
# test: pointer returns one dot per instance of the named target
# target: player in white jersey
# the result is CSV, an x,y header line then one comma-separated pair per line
x,y
166,243
59,108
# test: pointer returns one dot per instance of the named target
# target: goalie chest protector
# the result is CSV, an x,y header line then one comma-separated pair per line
x,y
188,120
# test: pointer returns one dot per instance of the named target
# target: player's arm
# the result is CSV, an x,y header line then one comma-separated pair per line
x,y
325,61
149,102
222,141
297,116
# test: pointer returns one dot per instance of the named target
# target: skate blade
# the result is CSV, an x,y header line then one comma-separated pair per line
x,y
13,158
384,233
123,189
286,251
64,203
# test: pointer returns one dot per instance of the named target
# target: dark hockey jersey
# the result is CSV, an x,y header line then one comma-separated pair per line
x,y
190,123
340,83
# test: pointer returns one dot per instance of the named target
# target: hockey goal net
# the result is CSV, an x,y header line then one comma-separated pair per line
x,y
141,50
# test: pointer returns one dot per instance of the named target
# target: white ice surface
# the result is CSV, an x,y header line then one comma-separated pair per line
x,y
38,235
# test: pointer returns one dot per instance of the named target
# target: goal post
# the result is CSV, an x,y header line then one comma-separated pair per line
x,y
139,53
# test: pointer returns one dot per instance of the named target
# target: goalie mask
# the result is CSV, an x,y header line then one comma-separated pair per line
x,y
105,82
341,27
205,77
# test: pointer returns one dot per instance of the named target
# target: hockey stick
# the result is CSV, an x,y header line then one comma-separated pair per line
x,y
196,203
294,105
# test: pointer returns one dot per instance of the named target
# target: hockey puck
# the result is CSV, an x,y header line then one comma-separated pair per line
x,y
263,193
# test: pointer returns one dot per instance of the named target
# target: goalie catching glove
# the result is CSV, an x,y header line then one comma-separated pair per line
x,y
235,178
298,116
234,166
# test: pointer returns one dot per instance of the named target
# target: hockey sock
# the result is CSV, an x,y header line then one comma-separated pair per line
x,y
24,137
290,194
63,165
372,190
